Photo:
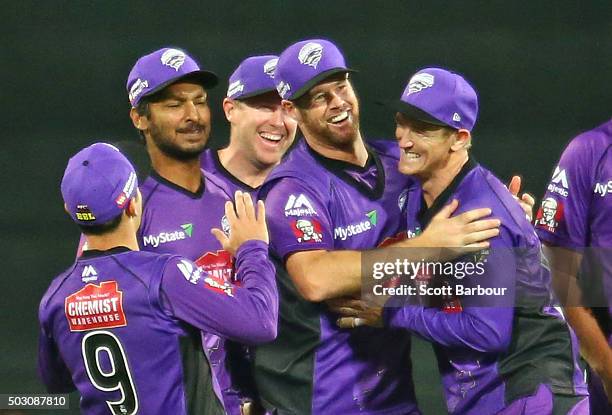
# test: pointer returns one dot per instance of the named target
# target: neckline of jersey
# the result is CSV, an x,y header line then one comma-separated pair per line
x,y
194,195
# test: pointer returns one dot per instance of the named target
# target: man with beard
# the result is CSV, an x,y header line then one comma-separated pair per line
x,y
351,196
182,204
260,130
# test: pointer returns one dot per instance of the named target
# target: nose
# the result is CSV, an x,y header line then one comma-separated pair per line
x,y
336,100
191,111
402,134
278,116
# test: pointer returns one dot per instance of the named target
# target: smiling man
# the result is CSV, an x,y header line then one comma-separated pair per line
x,y
182,203
332,197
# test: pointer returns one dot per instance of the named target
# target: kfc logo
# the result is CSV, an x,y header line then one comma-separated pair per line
x,y
549,214
307,231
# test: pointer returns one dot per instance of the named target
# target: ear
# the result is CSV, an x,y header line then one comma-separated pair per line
x,y
291,110
228,107
133,207
463,139
66,209
141,122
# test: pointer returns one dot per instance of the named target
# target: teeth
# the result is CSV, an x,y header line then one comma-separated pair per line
x,y
273,137
340,117
411,155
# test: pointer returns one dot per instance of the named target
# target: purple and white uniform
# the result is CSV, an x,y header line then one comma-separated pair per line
x,y
576,213
498,348
178,221
116,320
313,367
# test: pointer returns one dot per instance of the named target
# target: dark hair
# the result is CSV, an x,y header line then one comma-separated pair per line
x,y
106,227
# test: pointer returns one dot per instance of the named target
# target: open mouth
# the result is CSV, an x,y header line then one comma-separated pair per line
x,y
275,138
338,119
411,156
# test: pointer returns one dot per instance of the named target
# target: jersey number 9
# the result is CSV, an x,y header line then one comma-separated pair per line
x,y
119,377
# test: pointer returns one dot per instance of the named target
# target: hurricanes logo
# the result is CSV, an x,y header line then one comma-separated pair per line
x,y
270,67
234,88
420,82
311,54
173,58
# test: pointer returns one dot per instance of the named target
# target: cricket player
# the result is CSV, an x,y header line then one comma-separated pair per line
x,y
123,326
502,347
331,197
260,129
574,225
182,203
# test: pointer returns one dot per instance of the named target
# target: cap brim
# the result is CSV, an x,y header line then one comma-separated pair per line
x,y
320,77
413,112
206,78
255,93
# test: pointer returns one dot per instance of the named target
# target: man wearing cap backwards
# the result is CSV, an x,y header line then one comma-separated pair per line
x,y
123,326
505,353
574,225
330,198
260,130
168,93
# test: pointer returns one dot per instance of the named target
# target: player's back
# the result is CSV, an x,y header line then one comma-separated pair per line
x,y
124,352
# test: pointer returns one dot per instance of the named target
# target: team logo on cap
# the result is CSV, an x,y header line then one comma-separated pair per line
x,y
420,82
137,88
173,58
311,54
234,88
283,88
270,67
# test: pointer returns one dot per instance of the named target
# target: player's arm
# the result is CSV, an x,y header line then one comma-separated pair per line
x,y
564,266
246,313
321,275
51,368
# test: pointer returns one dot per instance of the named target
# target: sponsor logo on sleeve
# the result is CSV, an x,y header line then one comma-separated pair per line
x,y
307,230
603,189
299,206
173,58
549,215
310,54
192,274
95,307
420,82
559,183
218,285
89,274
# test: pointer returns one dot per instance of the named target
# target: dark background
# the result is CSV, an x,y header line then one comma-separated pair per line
x,y
543,70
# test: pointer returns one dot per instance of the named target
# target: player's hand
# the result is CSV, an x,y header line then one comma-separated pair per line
x,y
526,201
461,234
355,313
245,224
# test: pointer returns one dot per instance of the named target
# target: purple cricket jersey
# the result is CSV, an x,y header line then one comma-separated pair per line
x,y
492,352
314,367
124,328
213,168
576,213
186,231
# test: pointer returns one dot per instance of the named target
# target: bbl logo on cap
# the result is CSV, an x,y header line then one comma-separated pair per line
x,y
311,54
84,214
270,67
173,58
419,82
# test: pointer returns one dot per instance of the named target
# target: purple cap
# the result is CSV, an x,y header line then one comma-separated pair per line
x,y
440,97
304,64
157,70
97,185
254,76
